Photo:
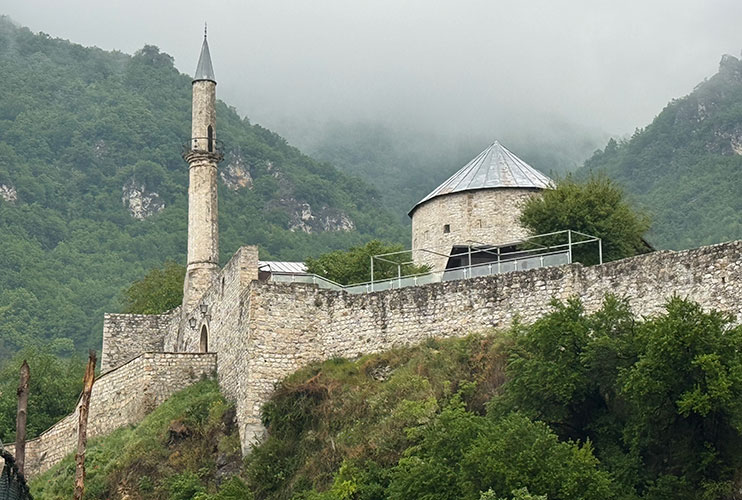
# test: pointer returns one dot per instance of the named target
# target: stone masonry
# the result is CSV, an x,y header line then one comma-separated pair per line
x,y
120,397
126,336
263,331
486,215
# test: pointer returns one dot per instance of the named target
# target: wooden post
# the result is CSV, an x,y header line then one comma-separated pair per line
x,y
21,417
82,429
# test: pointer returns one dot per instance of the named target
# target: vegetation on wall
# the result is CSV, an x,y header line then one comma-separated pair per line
x,y
181,451
89,138
596,206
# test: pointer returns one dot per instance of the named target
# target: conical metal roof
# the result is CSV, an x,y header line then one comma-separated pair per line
x,y
204,70
495,167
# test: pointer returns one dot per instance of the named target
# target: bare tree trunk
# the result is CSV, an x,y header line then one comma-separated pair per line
x,y
21,417
82,429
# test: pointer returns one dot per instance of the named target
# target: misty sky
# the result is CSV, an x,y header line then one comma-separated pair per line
x,y
451,66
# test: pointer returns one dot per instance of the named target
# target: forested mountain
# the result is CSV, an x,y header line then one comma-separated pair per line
x,y
93,188
686,166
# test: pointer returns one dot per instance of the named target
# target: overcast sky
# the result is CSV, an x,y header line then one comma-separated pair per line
x,y
445,65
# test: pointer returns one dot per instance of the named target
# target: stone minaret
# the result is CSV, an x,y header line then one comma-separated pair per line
x,y
202,156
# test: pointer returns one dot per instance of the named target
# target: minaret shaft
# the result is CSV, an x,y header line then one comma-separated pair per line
x,y
203,213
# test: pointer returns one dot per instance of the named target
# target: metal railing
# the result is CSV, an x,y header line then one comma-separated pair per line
x,y
530,254
460,273
530,245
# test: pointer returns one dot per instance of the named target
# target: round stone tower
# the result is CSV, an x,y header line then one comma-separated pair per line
x,y
202,156
478,205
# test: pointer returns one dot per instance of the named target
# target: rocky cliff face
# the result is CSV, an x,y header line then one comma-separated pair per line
x,y
8,193
141,202
235,173
303,218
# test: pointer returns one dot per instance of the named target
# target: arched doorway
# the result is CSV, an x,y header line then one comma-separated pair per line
x,y
204,343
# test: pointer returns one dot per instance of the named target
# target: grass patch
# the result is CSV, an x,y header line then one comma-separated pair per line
x,y
172,452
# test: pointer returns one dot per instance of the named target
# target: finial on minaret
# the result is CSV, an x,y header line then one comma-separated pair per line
x,y
204,69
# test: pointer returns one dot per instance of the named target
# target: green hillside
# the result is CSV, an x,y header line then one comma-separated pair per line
x,y
93,188
686,166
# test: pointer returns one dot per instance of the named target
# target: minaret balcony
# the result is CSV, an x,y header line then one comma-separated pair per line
x,y
203,146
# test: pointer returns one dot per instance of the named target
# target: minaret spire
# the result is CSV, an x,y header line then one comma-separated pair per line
x,y
202,156
204,68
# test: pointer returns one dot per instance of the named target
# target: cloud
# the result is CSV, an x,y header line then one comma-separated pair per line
x,y
453,66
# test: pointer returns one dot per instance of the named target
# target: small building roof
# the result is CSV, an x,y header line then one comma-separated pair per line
x,y
204,69
495,167
275,266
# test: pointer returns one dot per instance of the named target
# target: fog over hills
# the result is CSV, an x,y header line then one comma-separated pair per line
x,y
458,68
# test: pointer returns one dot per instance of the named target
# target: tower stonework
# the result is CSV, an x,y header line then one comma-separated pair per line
x,y
480,205
202,156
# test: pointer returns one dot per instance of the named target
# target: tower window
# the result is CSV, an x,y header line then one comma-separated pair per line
x,y
204,341
210,138
446,228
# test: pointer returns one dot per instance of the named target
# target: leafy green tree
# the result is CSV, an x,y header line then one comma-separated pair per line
x,y
519,494
660,399
596,207
685,398
54,387
159,291
354,265
462,454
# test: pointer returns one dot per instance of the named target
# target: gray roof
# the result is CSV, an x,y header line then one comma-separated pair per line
x,y
495,167
204,70
275,266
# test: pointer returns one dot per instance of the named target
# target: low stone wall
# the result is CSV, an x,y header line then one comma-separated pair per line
x,y
120,397
126,336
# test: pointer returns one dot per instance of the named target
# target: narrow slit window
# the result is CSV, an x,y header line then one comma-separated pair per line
x,y
204,341
446,228
210,138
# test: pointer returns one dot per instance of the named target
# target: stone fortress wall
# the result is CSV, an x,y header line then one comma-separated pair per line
x,y
263,331
120,397
126,336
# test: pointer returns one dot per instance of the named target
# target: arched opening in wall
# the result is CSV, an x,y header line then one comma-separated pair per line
x,y
204,343
210,138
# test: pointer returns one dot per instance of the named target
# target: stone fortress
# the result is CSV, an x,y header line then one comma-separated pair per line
x,y
251,329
